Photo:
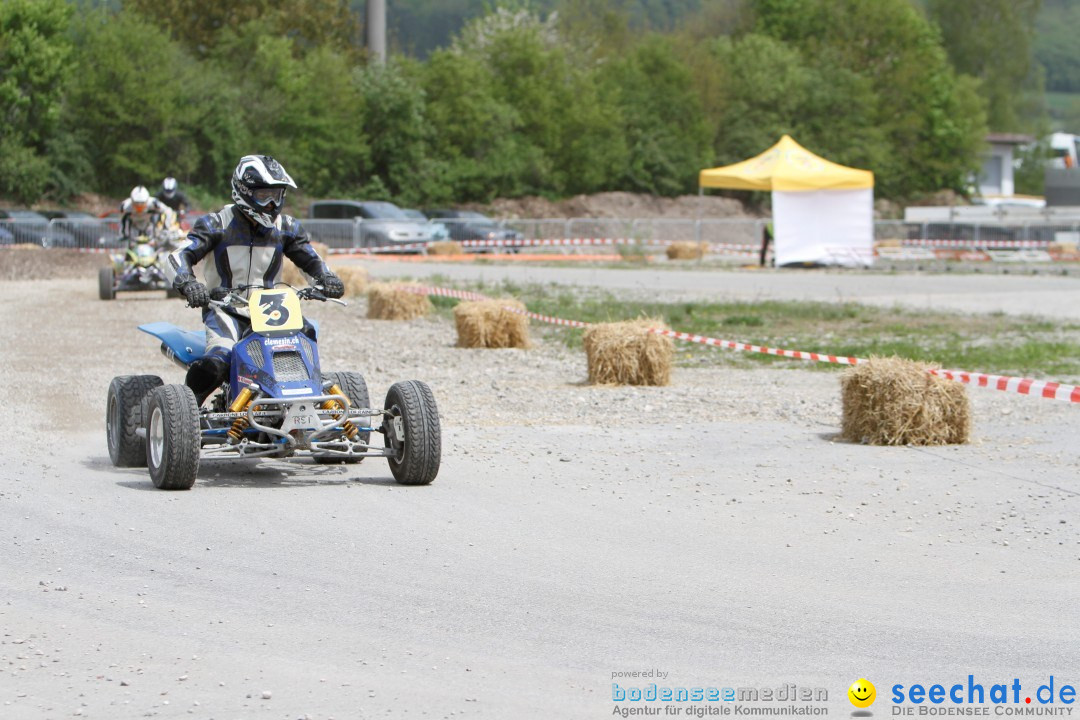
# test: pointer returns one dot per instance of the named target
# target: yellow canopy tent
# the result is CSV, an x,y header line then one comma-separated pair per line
x,y
823,213
789,167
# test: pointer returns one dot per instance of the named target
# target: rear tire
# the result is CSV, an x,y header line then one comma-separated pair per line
x,y
106,283
355,388
172,437
416,454
125,412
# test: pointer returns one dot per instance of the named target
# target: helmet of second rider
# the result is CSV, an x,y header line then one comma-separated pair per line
x,y
258,188
168,187
140,198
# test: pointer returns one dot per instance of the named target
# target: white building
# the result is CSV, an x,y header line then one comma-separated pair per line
x,y
996,179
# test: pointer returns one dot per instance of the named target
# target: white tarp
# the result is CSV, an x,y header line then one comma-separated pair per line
x,y
827,227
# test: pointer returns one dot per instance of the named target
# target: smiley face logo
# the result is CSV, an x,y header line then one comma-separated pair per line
x,y
862,693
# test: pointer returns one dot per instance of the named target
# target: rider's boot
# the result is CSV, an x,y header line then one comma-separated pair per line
x,y
206,375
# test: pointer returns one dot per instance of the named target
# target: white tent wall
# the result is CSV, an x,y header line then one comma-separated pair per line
x,y
829,227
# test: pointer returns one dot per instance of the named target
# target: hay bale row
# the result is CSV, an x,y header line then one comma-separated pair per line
x,y
488,324
626,353
686,251
891,401
392,301
446,247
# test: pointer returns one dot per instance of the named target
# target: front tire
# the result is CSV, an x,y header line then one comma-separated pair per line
x,y
106,283
172,437
411,430
125,413
355,388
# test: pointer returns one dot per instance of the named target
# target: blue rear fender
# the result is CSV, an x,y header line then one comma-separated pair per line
x,y
185,346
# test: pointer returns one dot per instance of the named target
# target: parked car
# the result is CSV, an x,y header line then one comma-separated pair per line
x,y
383,223
471,225
82,228
441,231
27,226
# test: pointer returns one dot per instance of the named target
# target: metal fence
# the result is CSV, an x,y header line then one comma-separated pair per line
x,y
733,234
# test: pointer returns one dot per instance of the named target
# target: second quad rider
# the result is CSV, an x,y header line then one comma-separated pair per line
x,y
245,244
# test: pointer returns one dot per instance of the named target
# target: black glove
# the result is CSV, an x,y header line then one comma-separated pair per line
x,y
332,286
195,292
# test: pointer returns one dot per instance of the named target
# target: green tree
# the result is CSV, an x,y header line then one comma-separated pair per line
x,y
477,150
397,129
932,121
663,123
34,64
311,24
992,40
1055,45
304,109
563,110
130,87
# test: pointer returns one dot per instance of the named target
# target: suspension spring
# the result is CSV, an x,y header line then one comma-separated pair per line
x,y
351,430
236,432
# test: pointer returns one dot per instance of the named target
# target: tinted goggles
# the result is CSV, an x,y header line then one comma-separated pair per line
x,y
266,196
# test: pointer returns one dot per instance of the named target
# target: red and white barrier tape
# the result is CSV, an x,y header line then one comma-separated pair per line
x,y
1022,386
915,242
734,248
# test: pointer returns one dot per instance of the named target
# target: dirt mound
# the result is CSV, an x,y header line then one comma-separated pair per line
x,y
33,263
617,205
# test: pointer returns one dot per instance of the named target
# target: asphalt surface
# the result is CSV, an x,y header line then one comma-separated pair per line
x,y
725,546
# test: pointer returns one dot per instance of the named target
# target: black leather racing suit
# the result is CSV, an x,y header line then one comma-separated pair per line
x,y
239,252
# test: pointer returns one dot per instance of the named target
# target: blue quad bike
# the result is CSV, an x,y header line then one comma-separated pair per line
x,y
276,403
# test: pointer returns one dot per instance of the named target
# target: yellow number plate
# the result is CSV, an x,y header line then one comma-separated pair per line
x,y
275,311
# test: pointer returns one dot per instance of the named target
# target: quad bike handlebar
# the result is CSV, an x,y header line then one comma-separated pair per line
x,y
227,297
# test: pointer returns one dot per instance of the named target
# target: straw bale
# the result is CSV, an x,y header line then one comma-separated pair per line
x,y
487,324
626,353
354,278
889,243
391,301
293,275
686,251
891,401
446,247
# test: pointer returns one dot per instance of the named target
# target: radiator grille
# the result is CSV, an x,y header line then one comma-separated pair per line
x,y
289,367
258,355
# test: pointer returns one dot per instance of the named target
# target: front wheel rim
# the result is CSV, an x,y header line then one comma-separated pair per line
x,y
398,446
113,426
157,437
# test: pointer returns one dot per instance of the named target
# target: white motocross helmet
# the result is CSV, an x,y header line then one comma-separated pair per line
x,y
168,185
258,188
140,198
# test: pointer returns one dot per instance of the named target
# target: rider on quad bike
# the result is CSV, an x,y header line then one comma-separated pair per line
x,y
244,243
144,216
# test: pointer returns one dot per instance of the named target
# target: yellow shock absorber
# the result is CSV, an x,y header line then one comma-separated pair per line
x,y
350,430
240,424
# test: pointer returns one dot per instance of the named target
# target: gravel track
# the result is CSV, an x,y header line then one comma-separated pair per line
x,y
712,529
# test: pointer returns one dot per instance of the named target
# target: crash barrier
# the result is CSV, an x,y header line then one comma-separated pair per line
x,y
1021,386
1058,238
568,242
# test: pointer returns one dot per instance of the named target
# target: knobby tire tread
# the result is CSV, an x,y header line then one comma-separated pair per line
x,y
131,392
420,462
180,415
